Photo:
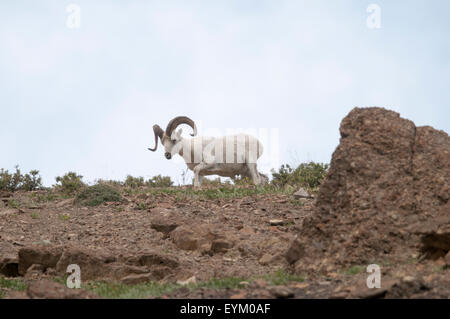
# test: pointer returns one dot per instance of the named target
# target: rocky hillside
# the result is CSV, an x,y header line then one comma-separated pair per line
x,y
384,201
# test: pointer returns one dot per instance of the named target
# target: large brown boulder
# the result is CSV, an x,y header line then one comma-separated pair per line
x,y
386,190
96,264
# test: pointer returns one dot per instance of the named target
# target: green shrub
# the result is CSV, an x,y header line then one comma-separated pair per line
x,y
17,181
134,182
32,181
309,175
242,181
216,182
109,182
70,183
159,181
98,194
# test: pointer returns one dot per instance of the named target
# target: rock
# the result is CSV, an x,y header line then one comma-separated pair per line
x,y
247,250
190,280
96,264
192,237
36,268
9,266
276,222
295,251
9,212
185,238
221,246
47,256
384,166
281,292
363,292
137,279
153,258
406,288
164,224
447,259
270,259
240,295
91,262
66,202
301,193
46,289
246,231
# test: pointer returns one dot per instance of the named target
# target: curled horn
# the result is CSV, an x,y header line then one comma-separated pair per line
x,y
180,120
158,133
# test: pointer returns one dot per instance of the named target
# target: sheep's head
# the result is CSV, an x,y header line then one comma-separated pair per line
x,y
171,139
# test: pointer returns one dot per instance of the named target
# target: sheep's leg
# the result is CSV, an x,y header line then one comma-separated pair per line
x,y
197,173
253,173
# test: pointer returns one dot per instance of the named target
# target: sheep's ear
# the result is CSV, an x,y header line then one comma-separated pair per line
x,y
176,135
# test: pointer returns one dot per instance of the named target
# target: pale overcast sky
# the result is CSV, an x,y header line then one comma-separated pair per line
x,y
85,99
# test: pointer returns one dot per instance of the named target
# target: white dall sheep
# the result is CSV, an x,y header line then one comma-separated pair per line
x,y
226,156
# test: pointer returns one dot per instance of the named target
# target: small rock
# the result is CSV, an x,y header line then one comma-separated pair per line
x,y
276,222
9,212
259,283
137,279
246,231
191,280
220,246
241,295
266,259
301,285
301,193
164,225
409,279
65,202
36,268
281,292
295,252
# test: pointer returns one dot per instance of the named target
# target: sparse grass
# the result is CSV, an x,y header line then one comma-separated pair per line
x,y
46,197
114,290
220,283
159,181
64,217
13,203
11,284
221,192
297,202
35,215
123,291
142,206
98,194
281,277
354,270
